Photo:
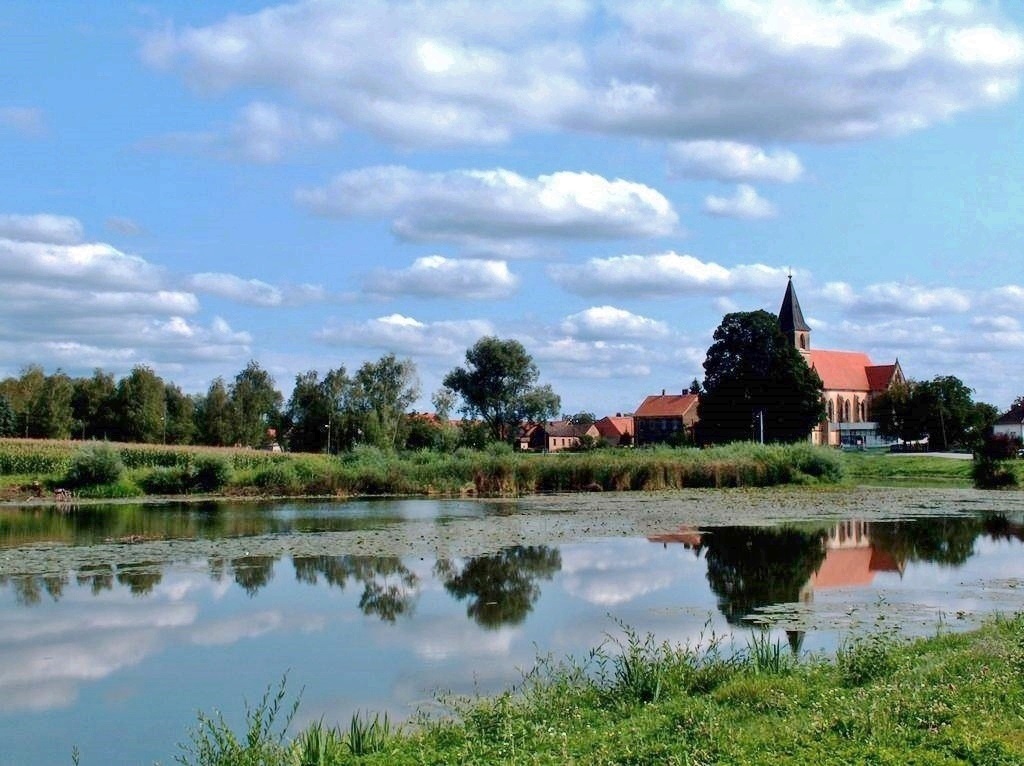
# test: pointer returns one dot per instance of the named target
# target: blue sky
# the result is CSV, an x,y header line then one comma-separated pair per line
x,y
314,184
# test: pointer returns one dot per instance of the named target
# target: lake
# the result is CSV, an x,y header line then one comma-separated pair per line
x,y
119,622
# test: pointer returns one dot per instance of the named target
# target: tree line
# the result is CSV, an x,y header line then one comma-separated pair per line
x,y
496,391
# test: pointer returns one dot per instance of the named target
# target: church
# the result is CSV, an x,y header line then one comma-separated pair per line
x,y
851,381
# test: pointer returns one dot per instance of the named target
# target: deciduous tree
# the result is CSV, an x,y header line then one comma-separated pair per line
x,y
498,386
753,377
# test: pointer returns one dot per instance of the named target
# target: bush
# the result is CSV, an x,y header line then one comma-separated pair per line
x,y
164,481
210,473
95,465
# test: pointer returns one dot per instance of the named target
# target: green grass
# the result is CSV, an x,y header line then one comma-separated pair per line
x,y
496,471
950,699
885,469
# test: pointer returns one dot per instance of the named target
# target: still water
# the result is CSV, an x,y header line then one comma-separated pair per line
x,y
118,623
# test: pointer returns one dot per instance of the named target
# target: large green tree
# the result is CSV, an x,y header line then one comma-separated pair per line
x,y
754,377
51,415
213,415
141,406
381,395
255,405
941,409
498,385
94,405
8,420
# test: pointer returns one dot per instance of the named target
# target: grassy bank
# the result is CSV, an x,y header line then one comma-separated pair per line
x,y
889,470
951,699
124,470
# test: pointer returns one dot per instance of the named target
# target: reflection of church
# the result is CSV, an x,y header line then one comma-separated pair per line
x,y
850,381
851,559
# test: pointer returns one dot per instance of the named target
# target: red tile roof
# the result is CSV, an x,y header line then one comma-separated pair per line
x,y
880,376
670,405
842,370
615,427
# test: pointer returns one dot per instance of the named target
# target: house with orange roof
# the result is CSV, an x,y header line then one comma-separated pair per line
x,y
851,382
617,430
555,436
668,418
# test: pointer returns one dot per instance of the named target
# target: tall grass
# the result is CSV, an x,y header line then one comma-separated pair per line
x,y
496,471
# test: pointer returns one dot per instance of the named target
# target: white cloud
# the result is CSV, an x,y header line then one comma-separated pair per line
x,y
733,161
405,335
608,322
746,204
436,74
662,274
95,265
470,205
249,291
438,277
898,299
42,227
456,73
1006,298
568,358
262,132
26,120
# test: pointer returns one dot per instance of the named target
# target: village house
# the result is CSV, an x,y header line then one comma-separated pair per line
x,y
851,382
1011,424
666,419
617,430
555,436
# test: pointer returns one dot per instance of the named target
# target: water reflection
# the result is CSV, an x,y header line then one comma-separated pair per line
x,y
501,588
390,589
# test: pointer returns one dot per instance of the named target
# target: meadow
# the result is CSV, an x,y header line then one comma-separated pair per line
x,y
108,470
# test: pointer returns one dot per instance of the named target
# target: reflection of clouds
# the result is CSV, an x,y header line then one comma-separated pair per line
x,y
38,696
616,573
231,630
59,666
23,626
439,638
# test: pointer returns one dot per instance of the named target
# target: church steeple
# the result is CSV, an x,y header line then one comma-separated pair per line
x,y
791,320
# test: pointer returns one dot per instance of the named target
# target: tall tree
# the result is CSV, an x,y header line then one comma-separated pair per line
x,y
381,395
180,416
951,417
755,379
21,393
498,386
141,401
213,416
255,403
51,416
897,413
93,405
8,420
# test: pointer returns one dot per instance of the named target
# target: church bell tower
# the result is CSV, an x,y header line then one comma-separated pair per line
x,y
791,321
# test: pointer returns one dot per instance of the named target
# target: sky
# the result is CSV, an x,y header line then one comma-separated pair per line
x,y
190,186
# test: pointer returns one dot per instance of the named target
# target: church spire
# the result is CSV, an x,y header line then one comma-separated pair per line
x,y
791,319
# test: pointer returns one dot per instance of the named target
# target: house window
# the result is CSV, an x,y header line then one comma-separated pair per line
x,y
831,410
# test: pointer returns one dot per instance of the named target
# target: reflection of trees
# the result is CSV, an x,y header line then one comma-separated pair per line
x,y
389,588
501,587
753,567
29,589
946,540
253,572
99,577
140,578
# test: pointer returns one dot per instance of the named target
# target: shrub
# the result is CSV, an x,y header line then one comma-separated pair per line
x,y
95,465
210,473
164,481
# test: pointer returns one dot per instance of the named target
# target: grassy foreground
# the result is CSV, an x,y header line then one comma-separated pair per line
x,y
956,698
130,470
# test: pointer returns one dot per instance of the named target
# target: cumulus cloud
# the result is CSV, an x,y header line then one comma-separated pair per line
x,y
746,204
26,120
249,291
662,274
406,335
82,305
568,358
469,205
41,227
448,72
438,277
262,133
608,322
733,161
898,299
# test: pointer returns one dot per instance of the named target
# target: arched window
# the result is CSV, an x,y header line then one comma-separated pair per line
x,y
846,410
831,410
